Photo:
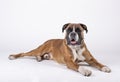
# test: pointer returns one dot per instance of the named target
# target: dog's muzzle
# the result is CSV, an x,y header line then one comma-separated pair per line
x,y
73,36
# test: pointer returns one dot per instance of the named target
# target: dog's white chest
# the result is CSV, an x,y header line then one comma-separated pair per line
x,y
77,54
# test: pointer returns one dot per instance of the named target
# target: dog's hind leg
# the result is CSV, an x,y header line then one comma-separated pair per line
x,y
38,52
34,52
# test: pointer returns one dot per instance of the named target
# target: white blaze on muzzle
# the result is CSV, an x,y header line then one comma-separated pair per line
x,y
76,38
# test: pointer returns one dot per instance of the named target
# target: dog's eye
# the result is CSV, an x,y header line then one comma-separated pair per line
x,y
77,30
69,30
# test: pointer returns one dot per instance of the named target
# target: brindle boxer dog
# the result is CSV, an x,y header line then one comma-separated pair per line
x,y
69,51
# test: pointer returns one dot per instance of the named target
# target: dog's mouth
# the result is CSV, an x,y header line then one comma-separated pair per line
x,y
73,41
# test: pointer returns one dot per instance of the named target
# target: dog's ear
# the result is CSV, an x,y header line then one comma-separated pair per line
x,y
65,26
84,27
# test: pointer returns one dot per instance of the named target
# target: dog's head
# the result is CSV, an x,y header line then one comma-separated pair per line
x,y
74,33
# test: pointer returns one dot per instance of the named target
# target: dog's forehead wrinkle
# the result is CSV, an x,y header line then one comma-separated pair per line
x,y
74,25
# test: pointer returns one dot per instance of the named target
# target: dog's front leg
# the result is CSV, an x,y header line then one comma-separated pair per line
x,y
72,65
93,62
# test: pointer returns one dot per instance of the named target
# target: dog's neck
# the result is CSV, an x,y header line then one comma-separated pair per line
x,y
75,47
77,51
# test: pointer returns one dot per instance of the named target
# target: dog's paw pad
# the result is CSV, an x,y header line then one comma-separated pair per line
x,y
106,69
84,71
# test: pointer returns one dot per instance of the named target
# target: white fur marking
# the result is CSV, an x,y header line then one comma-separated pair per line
x,y
77,53
80,56
74,54
73,29
106,69
84,71
76,37
11,57
38,58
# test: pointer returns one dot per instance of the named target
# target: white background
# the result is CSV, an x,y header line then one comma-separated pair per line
x,y
25,24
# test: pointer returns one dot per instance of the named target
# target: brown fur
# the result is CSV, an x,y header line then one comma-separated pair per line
x,y
61,53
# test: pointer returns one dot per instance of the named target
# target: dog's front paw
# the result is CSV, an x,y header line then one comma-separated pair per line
x,y
106,69
84,71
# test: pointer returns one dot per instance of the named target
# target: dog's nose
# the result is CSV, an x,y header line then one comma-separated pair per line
x,y
73,34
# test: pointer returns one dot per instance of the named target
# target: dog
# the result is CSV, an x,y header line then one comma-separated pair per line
x,y
69,51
